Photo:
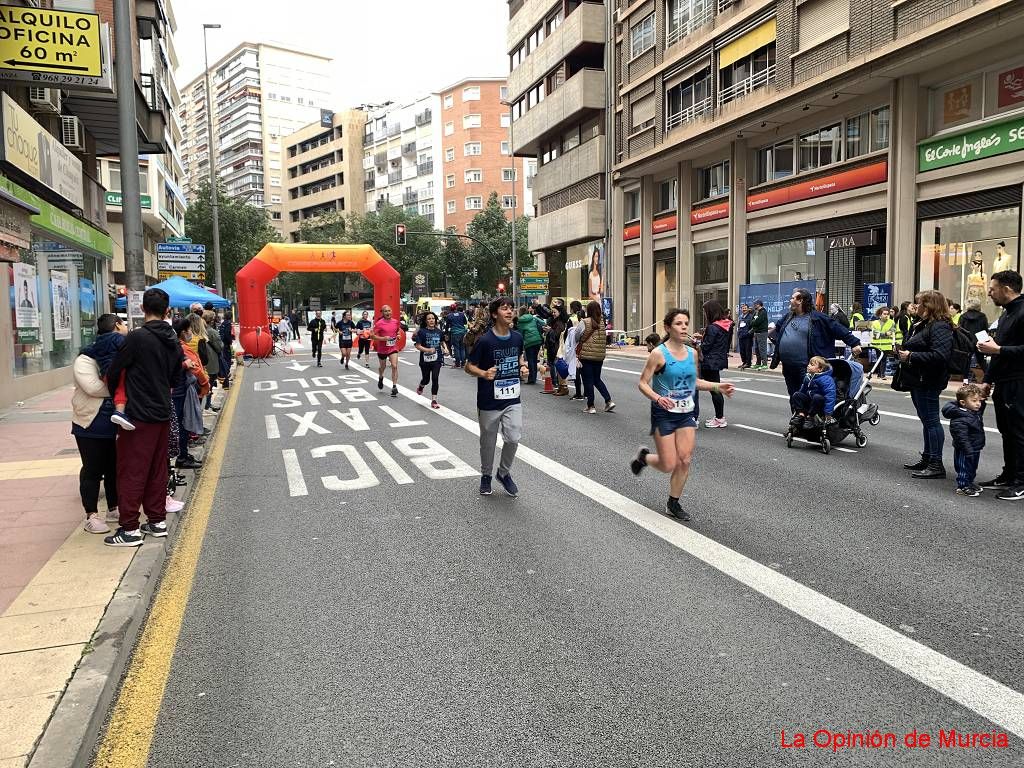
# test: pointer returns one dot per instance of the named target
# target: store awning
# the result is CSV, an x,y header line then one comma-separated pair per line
x,y
756,38
5,195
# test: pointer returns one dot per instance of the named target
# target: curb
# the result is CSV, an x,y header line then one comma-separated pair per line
x,y
69,739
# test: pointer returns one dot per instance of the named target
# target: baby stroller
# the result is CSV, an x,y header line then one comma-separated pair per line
x,y
851,411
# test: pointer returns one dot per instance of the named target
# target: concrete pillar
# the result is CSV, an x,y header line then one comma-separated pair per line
x,y
684,234
616,269
738,220
901,233
646,251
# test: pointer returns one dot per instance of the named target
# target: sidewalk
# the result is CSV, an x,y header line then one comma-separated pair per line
x,y
56,580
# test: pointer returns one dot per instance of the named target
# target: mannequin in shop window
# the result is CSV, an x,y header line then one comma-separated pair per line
x,y
1003,260
977,283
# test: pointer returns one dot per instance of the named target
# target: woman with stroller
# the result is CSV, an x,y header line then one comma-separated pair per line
x,y
923,370
669,380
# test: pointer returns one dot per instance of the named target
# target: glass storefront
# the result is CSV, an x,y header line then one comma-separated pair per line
x,y
632,321
710,275
665,287
960,253
53,299
790,260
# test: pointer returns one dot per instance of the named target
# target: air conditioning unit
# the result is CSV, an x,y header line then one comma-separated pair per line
x,y
45,99
72,134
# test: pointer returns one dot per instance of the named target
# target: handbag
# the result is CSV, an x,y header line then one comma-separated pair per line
x,y
899,379
562,367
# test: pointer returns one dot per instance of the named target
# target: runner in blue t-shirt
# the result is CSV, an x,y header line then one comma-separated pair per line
x,y
498,364
428,342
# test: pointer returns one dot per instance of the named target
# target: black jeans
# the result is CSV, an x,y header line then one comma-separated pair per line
x,y
318,348
747,349
591,379
1009,404
99,463
531,363
429,372
716,397
794,376
926,402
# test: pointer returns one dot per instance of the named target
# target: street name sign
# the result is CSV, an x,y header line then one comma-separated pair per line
x,y
180,248
181,266
163,274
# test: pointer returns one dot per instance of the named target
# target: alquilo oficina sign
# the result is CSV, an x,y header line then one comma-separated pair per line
x,y
989,141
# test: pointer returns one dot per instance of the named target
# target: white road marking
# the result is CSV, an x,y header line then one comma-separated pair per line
x,y
779,434
405,362
397,473
297,366
273,433
296,482
991,699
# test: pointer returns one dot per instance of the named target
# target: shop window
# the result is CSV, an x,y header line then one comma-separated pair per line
x,y
641,36
666,196
959,254
631,205
665,288
633,303
711,262
787,261
713,181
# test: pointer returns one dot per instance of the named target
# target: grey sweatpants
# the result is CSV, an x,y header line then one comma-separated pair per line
x,y
510,423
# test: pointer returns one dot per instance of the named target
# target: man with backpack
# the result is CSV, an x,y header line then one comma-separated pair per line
x,y
1005,381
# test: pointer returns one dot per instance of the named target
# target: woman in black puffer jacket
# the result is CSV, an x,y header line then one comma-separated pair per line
x,y
714,348
924,361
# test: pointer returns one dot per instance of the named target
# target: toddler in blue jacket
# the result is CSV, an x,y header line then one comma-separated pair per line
x,y
816,396
967,428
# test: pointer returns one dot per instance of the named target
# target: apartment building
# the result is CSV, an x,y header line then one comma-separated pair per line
x,y
557,86
53,206
402,157
323,169
475,119
856,148
261,93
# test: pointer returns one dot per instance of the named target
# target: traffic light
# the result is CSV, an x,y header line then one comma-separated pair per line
x,y
399,234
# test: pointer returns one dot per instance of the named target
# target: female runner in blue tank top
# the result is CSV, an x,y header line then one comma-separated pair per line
x,y
669,380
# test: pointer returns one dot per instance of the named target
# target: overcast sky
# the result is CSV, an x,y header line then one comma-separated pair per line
x,y
382,49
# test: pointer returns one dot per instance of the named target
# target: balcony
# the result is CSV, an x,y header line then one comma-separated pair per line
x,y
689,114
582,94
410,198
409,148
367,139
584,26
574,166
367,163
394,129
686,26
409,172
380,159
394,153
423,118
369,184
738,90
424,169
395,177
580,221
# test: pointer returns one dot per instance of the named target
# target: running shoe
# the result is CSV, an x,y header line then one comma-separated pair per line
x,y
675,509
433,404
394,391
419,390
113,515
1011,494
640,461
124,538
577,397
380,381
173,505
996,484
509,485
716,423
94,524
122,421
968,491
485,485
609,407
590,410
156,530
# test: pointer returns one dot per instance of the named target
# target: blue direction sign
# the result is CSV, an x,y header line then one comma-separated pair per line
x,y
180,248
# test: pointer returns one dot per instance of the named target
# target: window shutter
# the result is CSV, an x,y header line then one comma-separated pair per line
x,y
643,111
821,19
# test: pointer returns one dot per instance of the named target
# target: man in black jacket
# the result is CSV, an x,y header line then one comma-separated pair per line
x,y
1005,381
151,361
317,327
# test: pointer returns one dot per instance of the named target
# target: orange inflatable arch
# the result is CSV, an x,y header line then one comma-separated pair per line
x,y
252,280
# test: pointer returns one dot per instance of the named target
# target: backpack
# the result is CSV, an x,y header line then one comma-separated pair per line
x,y
963,347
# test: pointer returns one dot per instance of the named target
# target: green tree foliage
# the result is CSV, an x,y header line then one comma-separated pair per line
x,y
244,230
493,259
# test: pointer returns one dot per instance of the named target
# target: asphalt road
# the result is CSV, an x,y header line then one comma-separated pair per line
x,y
357,603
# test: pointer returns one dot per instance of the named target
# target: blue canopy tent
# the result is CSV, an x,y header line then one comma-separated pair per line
x,y
183,293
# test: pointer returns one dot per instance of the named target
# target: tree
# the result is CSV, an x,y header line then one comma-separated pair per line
x,y
422,253
458,266
244,230
493,259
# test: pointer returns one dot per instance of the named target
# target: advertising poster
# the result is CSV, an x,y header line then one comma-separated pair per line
x,y
876,295
1011,88
87,309
593,272
774,296
26,311
61,305
135,305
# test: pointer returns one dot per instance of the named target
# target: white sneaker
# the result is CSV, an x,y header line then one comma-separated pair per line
x,y
93,524
122,422
716,423
113,516
173,505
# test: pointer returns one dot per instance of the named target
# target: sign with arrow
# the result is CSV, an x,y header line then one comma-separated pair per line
x,y
56,42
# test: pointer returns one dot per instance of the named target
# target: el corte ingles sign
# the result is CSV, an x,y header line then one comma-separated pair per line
x,y
992,140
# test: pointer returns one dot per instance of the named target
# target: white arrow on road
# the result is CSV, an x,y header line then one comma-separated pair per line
x,y
297,366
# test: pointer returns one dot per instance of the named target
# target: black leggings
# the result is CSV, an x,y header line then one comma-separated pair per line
x,y
99,462
364,347
716,397
429,372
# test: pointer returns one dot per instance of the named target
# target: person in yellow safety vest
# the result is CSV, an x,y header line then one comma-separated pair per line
x,y
955,312
856,316
883,337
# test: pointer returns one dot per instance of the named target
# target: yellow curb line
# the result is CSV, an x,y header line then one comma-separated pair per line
x,y
130,731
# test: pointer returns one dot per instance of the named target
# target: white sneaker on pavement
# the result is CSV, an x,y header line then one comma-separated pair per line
x,y
716,423
93,524
173,505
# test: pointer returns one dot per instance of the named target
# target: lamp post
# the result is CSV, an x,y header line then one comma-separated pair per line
x,y
512,154
214,191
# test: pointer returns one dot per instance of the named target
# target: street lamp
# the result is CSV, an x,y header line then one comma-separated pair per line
x,y
213,165
512,154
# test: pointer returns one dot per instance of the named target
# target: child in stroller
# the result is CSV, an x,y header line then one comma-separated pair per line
x,y
819,419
